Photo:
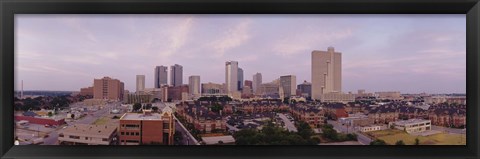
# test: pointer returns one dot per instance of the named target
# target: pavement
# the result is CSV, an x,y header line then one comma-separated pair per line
x,y
289,124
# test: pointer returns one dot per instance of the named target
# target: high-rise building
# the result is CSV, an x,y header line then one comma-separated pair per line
x,y
305,89
240,79
288,84
326,72
194,85
160,76
108,88
231,76
257,81
248,83
140,83
176,75
147,128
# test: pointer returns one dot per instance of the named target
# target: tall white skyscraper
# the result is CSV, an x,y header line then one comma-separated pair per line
x,y
176,75
140,83
160,76
231,76
257,81
194,85
326,72
288,84
240,79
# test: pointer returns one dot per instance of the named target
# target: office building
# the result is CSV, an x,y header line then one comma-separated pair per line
x,y
140,83
326,72
194,85
147,128
160,76
240,79
231,76
108,88
176,75
305,89
257,81
288,85
211,88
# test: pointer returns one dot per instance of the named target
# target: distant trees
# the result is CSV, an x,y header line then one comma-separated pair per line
x,y
417,141
330,133
400,142
274,135
215,99
136,107
216,107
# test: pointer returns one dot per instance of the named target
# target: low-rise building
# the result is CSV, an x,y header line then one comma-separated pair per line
x,y
147,128
85,134
412,125
369,128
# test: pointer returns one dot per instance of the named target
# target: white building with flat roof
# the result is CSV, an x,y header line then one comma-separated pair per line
x,y
412,125
85,134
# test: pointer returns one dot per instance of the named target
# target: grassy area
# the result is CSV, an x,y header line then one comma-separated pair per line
x,y
101,121
392,136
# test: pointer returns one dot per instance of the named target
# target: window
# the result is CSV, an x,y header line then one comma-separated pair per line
x,y
86,138
74,137
127,133
122,133
165,125
137,134
105,139
130,126
60,135
134,141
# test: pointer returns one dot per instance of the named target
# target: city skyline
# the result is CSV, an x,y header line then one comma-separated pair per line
x,y
422,54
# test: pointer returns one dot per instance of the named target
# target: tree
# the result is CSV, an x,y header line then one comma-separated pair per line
x,y
155,109
148,106
286,100
378,142
72,116
400,142
50,114
137,107
417,141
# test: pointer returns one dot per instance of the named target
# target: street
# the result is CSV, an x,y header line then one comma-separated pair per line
x,y
187,138
290,126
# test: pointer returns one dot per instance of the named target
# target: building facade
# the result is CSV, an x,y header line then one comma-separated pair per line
x,y
194,85
176,75
240,79
85,134
147,129
88,91
231,76
140,83
305,89
108,88
212,88
160,76
288,84
326,72
257,81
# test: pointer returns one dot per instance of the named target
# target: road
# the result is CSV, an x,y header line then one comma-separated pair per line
x,y
364,140
290,126
187,138
232,128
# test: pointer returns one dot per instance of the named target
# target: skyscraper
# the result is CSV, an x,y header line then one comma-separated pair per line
x,y
326,72
160,76
288,84
140,83
240,79
257,81
231,76
176,75
194,85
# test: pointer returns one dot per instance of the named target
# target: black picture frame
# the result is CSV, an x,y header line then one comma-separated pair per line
x,y
9,8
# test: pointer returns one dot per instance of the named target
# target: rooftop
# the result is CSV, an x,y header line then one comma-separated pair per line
x,y
411,121
87,129
141,116
216,139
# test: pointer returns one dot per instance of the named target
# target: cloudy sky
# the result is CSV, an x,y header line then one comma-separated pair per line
x,y
407,53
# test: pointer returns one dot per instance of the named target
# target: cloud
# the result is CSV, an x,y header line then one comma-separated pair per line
x,y
307,40
232,38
